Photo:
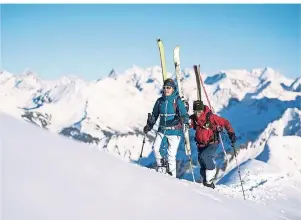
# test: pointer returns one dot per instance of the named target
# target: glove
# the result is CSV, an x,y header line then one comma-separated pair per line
x,y
146,129
149,118
232,137
186,105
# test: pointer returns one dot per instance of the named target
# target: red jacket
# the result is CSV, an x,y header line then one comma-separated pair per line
x,y
205,135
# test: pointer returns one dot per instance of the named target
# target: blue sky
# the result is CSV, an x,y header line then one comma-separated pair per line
x,y
90,40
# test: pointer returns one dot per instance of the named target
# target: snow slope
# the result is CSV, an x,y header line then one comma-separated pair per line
x,y
271,167
46,176
273,178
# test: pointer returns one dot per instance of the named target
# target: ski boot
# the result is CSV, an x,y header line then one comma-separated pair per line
x,y
211,185
164,167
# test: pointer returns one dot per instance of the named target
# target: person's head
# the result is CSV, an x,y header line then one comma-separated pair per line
x,y
198,107
169,87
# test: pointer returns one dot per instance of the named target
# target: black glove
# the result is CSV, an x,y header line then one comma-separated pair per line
x,y
232,137
186,105
146,129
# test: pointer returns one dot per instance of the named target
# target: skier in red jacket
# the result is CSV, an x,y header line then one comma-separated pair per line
x,y
207,126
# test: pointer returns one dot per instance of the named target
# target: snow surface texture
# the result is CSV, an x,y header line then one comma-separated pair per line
x,y
46,176
262,105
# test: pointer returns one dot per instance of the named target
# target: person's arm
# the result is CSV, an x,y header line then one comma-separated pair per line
x,y
152,118
220,121
155,114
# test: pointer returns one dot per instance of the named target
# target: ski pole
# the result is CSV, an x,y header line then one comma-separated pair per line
x,y
143,142
192,172
188,153
220,137
238,169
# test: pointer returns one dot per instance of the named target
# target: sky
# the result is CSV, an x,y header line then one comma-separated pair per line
x,y
90,40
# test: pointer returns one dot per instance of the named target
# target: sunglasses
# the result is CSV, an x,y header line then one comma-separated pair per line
x,y
167,87
198,111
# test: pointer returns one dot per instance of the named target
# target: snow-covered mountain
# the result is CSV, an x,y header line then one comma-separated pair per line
x,y
105,110
262,105
50,177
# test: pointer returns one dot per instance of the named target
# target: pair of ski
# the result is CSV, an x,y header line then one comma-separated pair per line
x,y
180,79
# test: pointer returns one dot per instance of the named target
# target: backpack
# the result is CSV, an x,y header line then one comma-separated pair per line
x,y
208,125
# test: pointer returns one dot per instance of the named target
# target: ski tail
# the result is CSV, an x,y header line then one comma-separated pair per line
x,y
198,78
162,58
179,76
176,55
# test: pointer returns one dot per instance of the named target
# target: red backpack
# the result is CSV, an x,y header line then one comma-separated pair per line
x,y
207,133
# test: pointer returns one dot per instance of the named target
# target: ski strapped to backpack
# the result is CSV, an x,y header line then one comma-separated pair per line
x,y
199,79
162,59
179,76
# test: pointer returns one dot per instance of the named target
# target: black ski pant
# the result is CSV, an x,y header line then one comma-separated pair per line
x,y
206,158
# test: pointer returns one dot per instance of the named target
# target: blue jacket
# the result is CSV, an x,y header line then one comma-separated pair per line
x,y
165,109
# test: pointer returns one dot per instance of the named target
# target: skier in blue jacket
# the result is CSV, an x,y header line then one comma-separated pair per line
x,y
173,115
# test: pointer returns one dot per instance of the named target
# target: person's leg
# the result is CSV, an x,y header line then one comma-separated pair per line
x,y
202,163
157,146
207,157
173,141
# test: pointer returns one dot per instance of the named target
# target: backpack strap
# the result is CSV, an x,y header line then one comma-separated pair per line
x,y
195,123
175,105
208,123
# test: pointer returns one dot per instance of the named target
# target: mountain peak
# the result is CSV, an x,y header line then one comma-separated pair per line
x,y
29,73
112,74
5,74
269,73
296,85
